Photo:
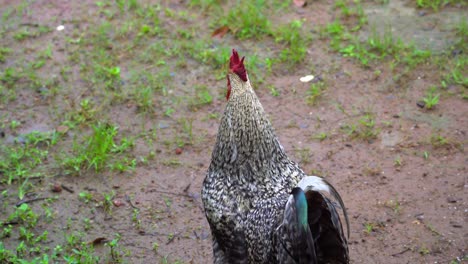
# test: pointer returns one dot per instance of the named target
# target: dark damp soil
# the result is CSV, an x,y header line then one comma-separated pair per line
x,y
152,76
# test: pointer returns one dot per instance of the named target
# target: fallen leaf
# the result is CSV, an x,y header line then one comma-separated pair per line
x,y
220,32
98,240
307,78
300,3
62,129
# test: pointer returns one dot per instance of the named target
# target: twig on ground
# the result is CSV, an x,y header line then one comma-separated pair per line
x,y
127,198
11,223
401,252
31,200
173,237
67,189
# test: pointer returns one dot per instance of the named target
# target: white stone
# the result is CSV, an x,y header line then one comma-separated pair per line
x,y
307,78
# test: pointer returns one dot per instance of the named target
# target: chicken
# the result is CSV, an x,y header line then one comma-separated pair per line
x,y
261,207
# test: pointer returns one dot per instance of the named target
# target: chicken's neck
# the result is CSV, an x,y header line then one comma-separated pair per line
x,y
245,136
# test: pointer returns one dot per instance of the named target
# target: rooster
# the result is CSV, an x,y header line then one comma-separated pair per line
x,y
261,207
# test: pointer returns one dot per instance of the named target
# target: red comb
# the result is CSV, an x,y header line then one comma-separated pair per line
x,y
237,65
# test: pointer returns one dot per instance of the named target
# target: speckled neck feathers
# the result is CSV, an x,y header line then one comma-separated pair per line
x,y
245,133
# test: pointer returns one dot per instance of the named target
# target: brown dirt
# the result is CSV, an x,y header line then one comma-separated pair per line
x,y
416,206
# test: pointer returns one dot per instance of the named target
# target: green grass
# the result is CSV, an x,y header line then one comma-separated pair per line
x,y
352,10
32,244
363,128
336,33
85,112
436,5
85,197
20,160
456,71
144,99
35,247
369,227
431,99
247,19
315,91
381,46
304,155
398,162
439,141
3,53
454,65
205,4
98,150
297,42
201,97
274,91
10,76
394,204
321,136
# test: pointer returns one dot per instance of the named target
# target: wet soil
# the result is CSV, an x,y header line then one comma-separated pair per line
x,y
417,206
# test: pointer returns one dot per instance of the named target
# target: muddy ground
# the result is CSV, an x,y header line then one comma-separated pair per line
x,y
403,178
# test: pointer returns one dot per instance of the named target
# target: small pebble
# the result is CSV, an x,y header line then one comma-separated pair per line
x,y
204,235
451,199
420,217
56,188
303,126
43,90
20,139
163,125
455,224
118,203
457,52
317,79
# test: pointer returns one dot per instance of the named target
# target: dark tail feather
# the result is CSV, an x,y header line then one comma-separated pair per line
x,y
310,249
324,221
337,196
296,242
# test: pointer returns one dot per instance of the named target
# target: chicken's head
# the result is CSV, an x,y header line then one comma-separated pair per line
x,y
236,66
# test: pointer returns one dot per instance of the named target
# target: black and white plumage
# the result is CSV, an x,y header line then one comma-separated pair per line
x,y
261,207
